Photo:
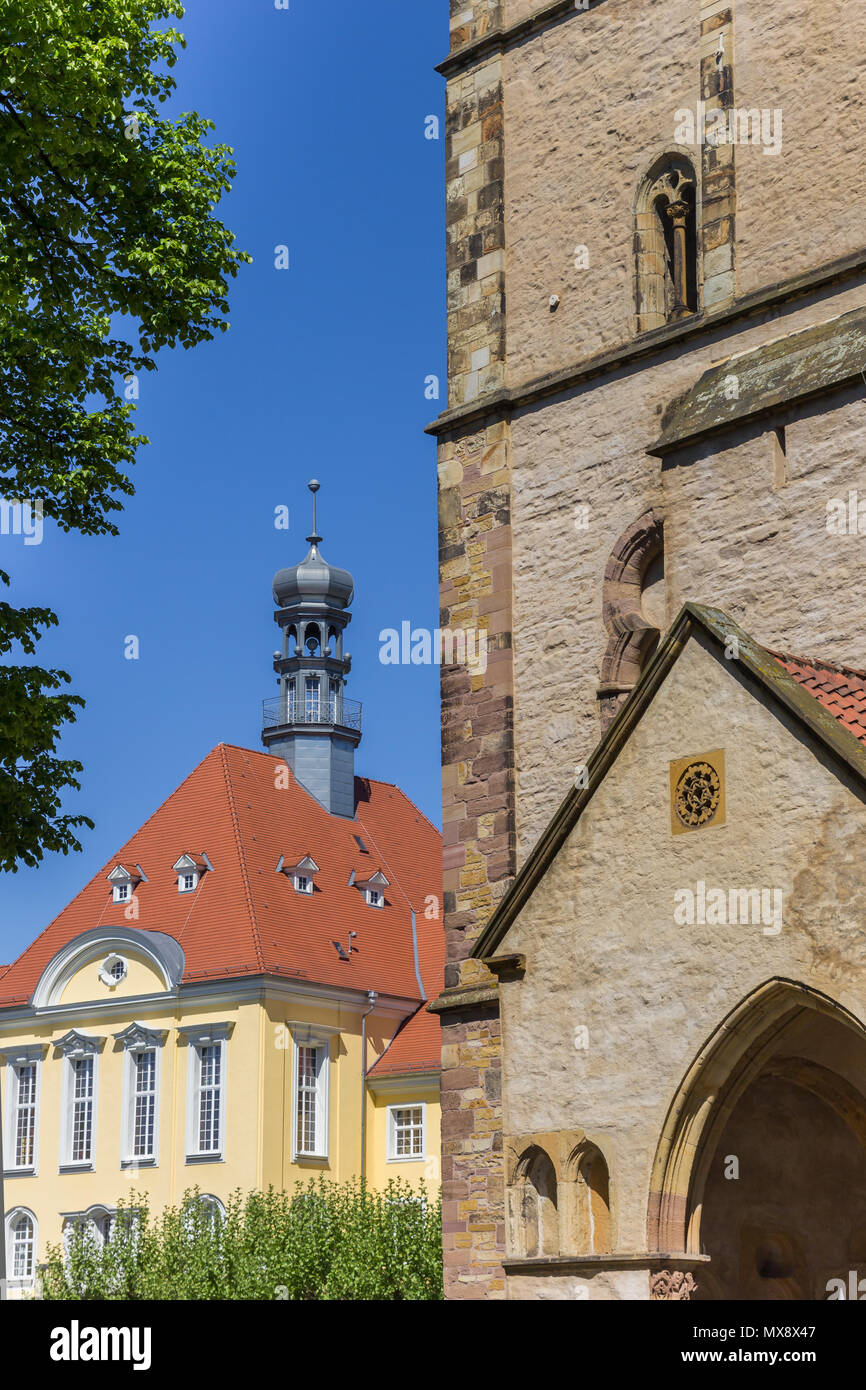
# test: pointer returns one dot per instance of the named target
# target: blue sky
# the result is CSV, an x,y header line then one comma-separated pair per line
x,y
321,375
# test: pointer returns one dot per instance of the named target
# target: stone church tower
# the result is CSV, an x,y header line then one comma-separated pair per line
x,y
656,313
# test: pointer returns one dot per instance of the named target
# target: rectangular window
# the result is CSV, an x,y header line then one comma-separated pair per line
x,y
24,1080
406,1132
334,698
209,1097
144,1103
312,692
311,1100
81,1130
291,701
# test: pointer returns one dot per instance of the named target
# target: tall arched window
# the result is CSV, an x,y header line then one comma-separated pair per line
x,y
533,1205
588,1216
21,1248
666,241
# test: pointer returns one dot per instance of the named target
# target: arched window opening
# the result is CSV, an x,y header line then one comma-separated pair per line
x,y
21,1248
533,1215
666,243
589,1230
633,610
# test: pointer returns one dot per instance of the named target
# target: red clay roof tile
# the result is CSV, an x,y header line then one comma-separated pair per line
x,y
245,918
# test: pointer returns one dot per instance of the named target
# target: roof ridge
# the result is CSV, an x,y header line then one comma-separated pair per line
x,y
818,662
242,859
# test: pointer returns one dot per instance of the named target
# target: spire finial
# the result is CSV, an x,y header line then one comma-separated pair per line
x,y
314,486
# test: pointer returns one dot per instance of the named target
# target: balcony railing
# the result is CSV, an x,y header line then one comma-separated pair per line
x,y
341,713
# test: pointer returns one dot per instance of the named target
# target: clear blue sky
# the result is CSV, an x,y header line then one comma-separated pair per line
x,y
321,375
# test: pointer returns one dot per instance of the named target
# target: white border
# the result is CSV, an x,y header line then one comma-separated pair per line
x,y
308,1036
406,1105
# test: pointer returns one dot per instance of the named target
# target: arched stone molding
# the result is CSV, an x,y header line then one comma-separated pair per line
x,y
739,1049
158,949
632,637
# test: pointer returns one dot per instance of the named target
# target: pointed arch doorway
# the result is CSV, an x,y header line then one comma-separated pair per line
x,y
762,1161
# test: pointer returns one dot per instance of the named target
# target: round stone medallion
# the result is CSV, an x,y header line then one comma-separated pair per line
x,y
697,795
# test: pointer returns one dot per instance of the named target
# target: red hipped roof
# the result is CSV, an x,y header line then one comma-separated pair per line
x,y
245,918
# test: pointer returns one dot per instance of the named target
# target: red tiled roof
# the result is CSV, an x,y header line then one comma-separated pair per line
x,y
416,1048
245,918
840,689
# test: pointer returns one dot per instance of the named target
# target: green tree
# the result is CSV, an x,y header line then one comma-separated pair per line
x,y
110,251
326,1241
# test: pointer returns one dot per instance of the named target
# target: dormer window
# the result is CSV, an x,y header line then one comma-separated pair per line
x,y
124,882
189,869
373,888
300,870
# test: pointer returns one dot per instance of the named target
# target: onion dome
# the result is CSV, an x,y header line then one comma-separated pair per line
x,y
313,580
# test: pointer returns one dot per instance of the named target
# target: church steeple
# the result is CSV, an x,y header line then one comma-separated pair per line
x,y
311,723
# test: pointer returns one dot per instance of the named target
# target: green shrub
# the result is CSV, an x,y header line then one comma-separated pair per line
x,y
327,1240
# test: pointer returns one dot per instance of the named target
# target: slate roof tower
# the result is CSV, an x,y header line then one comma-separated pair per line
x,y
311,723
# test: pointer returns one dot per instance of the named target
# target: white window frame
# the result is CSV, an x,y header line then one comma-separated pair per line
x,y
137,1039
22,1057
182,885
105,969
379,894
75,1048
206,1035
121,892
322,1045
312,700
27,1281
393,1156
305,880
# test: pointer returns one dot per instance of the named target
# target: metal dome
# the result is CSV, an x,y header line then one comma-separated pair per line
x,y
313,580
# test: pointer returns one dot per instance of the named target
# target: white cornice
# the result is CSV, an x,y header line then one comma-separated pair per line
x,y
395,1083
137,1037
20,1056
210,994
75,1044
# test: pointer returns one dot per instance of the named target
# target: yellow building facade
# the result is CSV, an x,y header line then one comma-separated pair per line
x,y
142,1086
248,1013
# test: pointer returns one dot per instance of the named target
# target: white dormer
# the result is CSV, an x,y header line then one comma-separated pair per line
x,y
301,873
124,882
373,888
189,869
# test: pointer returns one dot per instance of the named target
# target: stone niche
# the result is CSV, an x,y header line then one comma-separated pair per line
x,y
557,1196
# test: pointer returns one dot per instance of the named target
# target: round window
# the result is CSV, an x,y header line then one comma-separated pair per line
x,y
112,970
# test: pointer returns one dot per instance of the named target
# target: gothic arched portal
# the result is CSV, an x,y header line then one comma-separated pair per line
x,y
762,1161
